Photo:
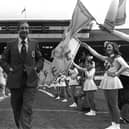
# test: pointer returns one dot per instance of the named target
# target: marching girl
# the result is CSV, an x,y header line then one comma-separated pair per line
x,y
73,82
123,96
111,82
62,87
89,86
57,84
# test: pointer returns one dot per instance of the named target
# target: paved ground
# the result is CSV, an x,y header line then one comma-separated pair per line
x,y
52,114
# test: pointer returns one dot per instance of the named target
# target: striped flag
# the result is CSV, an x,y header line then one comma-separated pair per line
x,y
116,14
81,18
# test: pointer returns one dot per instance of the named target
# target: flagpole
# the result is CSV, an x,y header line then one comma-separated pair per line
x,y
23,12
25,16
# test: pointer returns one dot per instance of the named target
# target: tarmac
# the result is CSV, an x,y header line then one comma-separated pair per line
x,y
50,113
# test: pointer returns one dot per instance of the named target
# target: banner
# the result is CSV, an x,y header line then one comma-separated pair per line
x,y
80,18
62,58
66,51
116,14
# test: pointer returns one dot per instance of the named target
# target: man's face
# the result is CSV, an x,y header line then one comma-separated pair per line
x,y
23,30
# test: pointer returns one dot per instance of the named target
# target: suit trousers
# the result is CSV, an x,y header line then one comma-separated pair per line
x,y
22,101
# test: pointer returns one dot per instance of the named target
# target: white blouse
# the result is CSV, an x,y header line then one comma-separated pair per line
x,y
117,64
90,74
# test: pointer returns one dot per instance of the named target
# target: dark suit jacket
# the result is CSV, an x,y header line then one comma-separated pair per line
x,y
32,64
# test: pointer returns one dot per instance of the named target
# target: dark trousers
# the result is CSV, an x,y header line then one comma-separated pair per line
x,y
73,93
90,99
112,102
123,94
21,101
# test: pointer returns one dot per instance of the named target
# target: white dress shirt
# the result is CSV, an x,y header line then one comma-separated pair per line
x,y
20,44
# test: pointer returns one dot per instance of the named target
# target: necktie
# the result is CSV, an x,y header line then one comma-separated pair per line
x,y
23,49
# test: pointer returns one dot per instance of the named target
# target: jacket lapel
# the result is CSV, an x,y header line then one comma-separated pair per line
x,y
16,47
29,46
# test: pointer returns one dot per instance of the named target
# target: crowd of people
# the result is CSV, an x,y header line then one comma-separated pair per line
x,y
67,84
114,83
22,62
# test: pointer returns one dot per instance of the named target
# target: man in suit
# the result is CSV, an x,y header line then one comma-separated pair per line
x,y
22,61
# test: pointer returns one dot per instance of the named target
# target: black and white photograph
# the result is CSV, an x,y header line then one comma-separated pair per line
x,y
64,64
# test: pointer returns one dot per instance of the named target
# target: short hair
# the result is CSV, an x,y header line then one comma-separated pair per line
x,y
22,22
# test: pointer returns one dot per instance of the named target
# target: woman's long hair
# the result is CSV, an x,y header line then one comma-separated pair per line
x,y
115,48
116,53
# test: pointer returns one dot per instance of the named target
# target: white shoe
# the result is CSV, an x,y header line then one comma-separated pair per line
x,y
73,105
57,98
117,126
9,94
1,98
64,100
113,126
91,113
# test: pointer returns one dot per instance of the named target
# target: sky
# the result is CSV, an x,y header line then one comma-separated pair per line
x,y
54,9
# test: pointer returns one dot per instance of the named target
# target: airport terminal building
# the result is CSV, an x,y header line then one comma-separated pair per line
x,y
50,32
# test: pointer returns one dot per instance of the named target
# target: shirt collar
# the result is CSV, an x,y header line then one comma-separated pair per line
x,y
20,40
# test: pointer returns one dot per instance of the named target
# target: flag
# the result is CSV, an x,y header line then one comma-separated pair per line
x,y
81,17
116,14
121,13
24,10
66,51
58,51
63,57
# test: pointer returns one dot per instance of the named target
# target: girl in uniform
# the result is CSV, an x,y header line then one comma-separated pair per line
x,y
73,82
89,86
62,86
